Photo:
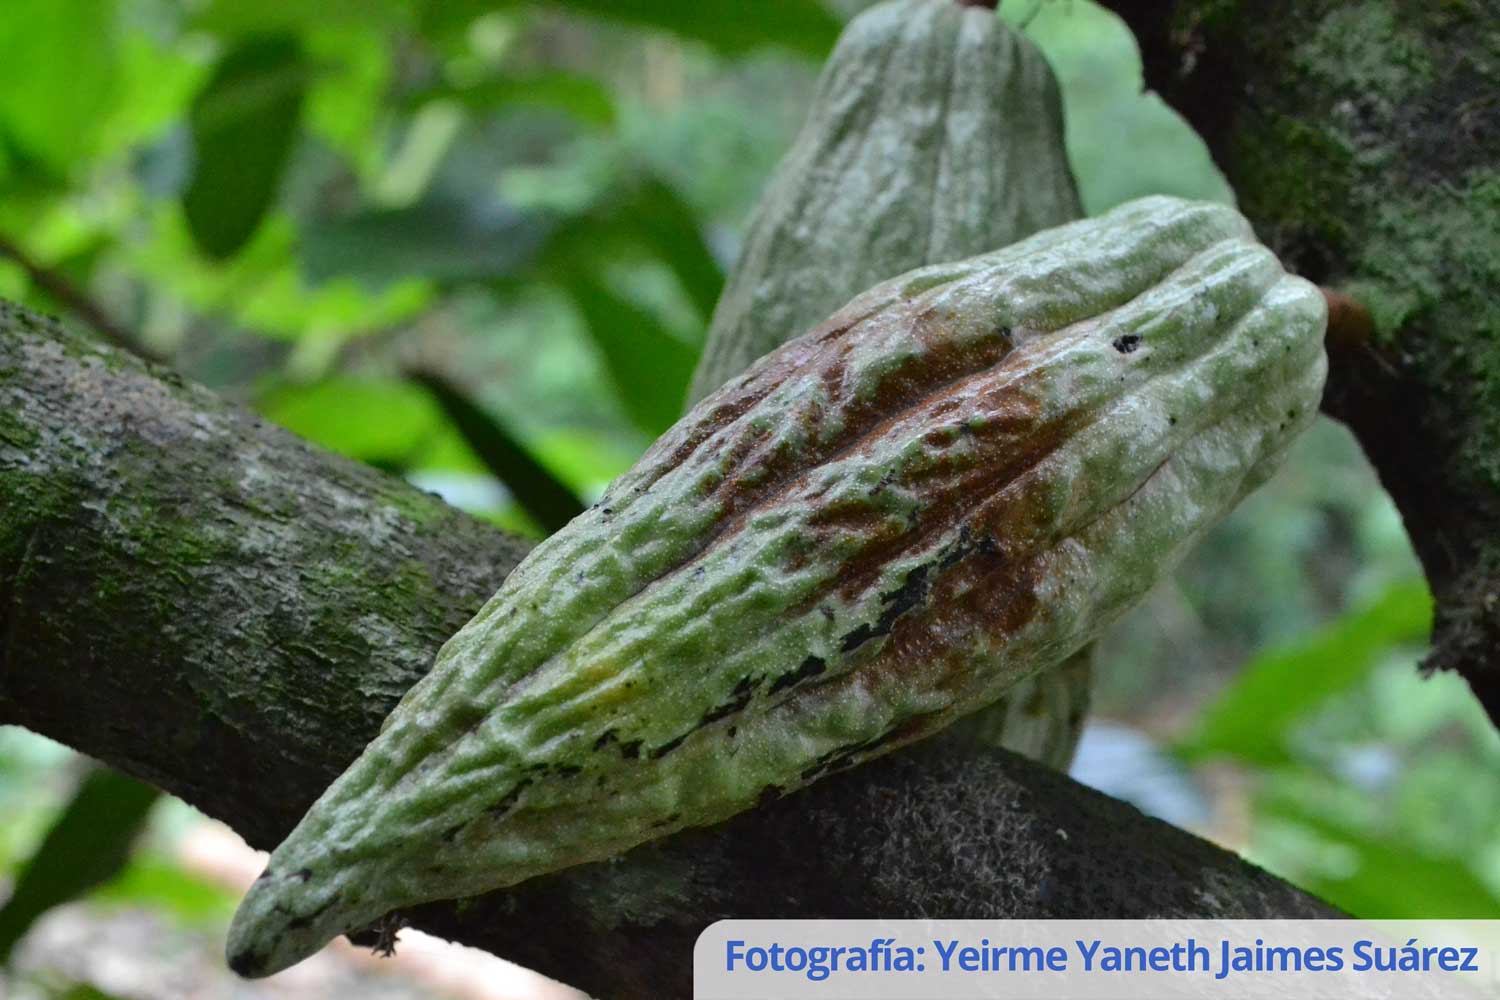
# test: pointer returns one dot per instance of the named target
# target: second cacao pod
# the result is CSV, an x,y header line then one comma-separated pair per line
x,y
935,134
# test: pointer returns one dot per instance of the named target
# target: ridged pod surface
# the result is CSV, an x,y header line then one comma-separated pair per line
x,y
935,134
952,484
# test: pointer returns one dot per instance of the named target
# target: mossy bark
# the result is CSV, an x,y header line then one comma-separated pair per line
x,y
1362,138
199,598
206,602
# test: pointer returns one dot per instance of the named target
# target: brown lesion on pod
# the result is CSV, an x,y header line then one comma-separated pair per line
x,y
757,468
936,640
1004,434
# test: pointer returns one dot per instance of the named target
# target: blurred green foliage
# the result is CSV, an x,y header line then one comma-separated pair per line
x,y
1250,720
1124,142
477,242
1377,787
87,844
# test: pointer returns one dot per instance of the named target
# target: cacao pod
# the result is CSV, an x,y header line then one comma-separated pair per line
x,y
1040,717
935,133
952,484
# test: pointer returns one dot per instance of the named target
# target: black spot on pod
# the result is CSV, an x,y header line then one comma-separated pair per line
x,y
741,696
503,806
247,964
811,667
307,919
769,794
657,753
899,601
1128,343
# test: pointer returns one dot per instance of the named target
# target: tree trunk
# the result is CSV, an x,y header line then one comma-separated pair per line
x,y
1362,138
204,601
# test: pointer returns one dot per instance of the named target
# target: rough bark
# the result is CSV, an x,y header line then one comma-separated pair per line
x,y
198,598
203,601
1362,138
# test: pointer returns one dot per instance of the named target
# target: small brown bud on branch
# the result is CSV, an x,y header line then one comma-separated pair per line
x,y
1350,325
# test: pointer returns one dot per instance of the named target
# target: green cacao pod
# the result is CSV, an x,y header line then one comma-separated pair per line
x,y
951,485
936,133
1041,717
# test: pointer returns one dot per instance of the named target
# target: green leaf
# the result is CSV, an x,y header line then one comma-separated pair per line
x,y
585,99
346,103
733,26
543,496
82,991
258,17
583,458
262,289
59,67
1388,880
154,90
384,422
445,23
646,214
1251,717
244,124
648,365
439,239
162,886
669,226
88,844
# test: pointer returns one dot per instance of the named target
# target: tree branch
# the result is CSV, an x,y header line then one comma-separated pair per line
x,y
74,299
1363,142
204,601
